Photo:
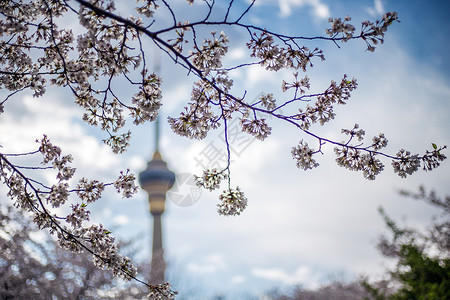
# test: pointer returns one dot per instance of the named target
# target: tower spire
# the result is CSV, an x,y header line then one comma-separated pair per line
x,y
157,70
157,134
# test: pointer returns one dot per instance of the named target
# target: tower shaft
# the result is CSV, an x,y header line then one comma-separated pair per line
x,y
158,265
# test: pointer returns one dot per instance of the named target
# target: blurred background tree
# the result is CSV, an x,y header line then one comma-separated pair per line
x,y
33,266
422,262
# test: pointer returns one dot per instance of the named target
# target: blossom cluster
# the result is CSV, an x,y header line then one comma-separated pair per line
x,y
211,179
199,117
303,155
148,9
379,142
323,109
125,184
371,33
162,292
268,101
257,127
355,159
357,133
147,100
274,57
300,85
59,193
209,56
341,27
358,158
406,164
89,191
432,159
233,202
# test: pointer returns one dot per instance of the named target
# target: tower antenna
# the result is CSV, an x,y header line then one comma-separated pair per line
x,y
157,71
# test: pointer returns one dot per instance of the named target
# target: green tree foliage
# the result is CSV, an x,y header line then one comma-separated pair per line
x,y
423,260
425,277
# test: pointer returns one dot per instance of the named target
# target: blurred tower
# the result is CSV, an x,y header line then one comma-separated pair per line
x,y
156,180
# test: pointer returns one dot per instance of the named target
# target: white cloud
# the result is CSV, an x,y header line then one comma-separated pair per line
x,y
238,279
175,96
256,74
209,264
318,9
29,118
377,9
301,275
120,220
237,53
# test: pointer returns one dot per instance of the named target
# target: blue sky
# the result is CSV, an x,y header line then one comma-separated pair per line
x,y
300,227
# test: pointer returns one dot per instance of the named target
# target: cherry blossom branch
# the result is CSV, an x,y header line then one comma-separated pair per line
x,y
105,256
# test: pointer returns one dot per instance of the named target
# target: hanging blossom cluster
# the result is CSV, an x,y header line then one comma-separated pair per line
x,y
232,201
71,230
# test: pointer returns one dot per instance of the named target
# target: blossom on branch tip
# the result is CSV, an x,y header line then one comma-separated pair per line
x,y
354,132
125,184
47,149
432,159
405,164
89,191
379,142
